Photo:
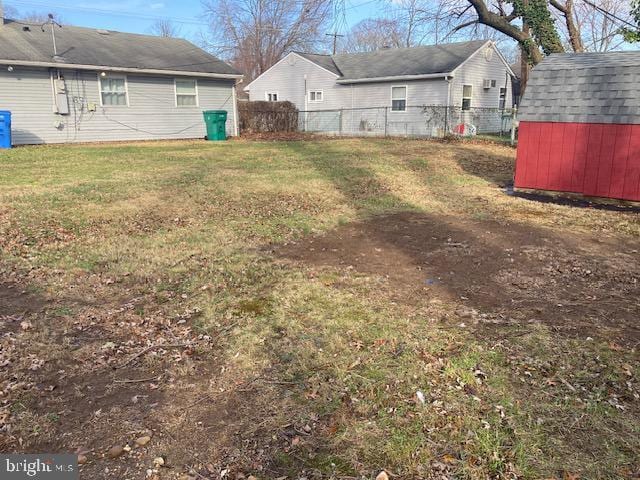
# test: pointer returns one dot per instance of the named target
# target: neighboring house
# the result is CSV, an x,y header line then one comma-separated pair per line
x,y
467,76
102,85
580,126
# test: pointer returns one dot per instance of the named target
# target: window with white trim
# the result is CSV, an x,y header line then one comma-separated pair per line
x,y
398,99
316,96
503,98
467,93
113,91
271,96
186,92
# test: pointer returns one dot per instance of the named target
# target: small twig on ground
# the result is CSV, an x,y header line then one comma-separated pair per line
x,y
152,347
140,380
241,388
571,387
277,382
576,422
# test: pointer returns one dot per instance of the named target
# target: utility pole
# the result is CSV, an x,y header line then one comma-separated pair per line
x,y
335,36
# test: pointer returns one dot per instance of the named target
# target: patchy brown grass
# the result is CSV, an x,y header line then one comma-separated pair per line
x,y
274,308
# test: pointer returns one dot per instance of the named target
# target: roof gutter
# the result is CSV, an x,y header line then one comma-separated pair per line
x,y
152,71
394,78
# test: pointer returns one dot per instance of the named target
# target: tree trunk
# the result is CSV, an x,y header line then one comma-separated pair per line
x,y
575,35
529,49
524,64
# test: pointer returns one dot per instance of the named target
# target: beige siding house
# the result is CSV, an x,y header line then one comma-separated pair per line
x,y
99,85
398,84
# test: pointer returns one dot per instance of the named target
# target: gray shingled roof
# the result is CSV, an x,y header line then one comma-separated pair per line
x,y
584,88
86,46
396,62
325,61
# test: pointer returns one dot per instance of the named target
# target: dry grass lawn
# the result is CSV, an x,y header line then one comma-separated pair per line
x,y
312,309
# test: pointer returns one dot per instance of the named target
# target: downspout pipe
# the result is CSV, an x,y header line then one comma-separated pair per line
x,y
305,103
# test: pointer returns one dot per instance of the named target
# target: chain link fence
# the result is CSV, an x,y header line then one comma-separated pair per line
x,y
423,121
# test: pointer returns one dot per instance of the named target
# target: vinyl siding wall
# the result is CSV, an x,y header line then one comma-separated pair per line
x,y
410,122
151,114
474,72
287,78
367,106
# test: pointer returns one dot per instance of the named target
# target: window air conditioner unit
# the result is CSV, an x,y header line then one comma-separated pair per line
x,y
486,84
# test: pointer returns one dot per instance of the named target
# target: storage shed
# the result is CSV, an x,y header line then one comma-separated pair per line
x,y
580,126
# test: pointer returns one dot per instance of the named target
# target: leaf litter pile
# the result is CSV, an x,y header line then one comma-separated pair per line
x,y
317,309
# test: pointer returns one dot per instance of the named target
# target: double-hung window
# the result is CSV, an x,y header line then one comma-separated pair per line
x,y
503,98
316,96
467,92
398,99
113,91
186,92
271,96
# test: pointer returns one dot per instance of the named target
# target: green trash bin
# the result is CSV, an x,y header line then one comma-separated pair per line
x,y
216,121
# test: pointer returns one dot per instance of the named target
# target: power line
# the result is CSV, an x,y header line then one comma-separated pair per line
x,y
606,13
105,11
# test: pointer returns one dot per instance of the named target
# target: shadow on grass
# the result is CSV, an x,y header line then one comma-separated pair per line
x,y
257,424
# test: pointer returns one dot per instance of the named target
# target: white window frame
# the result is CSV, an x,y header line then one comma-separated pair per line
x,y
175,93
266,96
467,98
126,90
321,92
502,99
406,97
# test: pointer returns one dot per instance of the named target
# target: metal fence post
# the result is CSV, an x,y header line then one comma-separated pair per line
x,y
446,121
514,124
341,110
386,113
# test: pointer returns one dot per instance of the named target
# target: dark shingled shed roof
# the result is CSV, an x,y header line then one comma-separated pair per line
x,y
102,48
584,88
397,62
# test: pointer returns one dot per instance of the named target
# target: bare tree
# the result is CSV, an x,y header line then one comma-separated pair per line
x,y
374,34
165,28
546,26
33,16
254,34
601,32
572,26
11,12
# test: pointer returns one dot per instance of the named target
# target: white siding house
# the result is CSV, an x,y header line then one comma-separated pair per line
x,y
358,90
108,86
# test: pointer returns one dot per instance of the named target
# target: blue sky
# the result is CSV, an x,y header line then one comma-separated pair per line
x,y
138,15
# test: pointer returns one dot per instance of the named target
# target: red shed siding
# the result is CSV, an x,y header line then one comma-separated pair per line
x,y
600,160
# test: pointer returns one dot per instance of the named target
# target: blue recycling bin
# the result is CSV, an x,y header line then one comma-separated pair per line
x,y
5,129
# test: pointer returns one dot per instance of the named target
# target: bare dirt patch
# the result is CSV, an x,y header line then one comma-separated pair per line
x,y
576,284
90,371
